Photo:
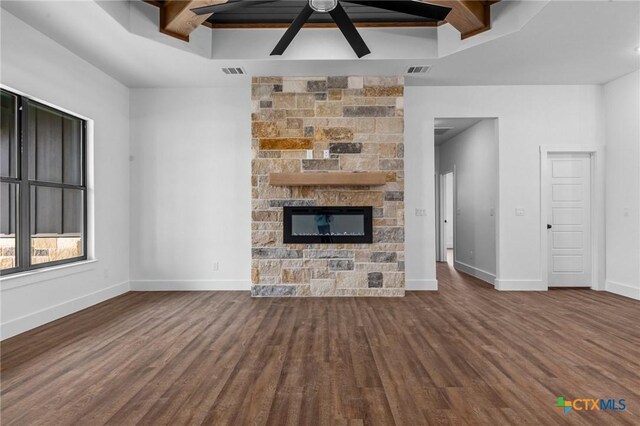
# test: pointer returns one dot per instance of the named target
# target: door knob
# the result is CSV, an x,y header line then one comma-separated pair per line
x,y
549,226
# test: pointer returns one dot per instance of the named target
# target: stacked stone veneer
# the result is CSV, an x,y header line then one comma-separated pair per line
x,y
43,249
360,121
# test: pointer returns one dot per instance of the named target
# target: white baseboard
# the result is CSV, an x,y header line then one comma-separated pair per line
x,y
475,272
36,319
622,289
520,285
421,285
190,285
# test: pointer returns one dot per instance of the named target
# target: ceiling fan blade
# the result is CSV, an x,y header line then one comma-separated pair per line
x,y
292,30
412,7
349,31
229,5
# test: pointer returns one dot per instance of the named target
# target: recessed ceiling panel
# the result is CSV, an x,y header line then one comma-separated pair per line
x,y
284,12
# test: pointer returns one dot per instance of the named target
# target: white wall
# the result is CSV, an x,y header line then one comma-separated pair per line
x,y
474,154
190,188
528,116
37,66
622,112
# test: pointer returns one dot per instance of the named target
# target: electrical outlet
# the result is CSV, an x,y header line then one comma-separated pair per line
x,y
325,153
309,154
216,266
492,212
421,212
458,212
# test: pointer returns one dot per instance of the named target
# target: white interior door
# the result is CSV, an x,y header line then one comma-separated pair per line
x,y
569,219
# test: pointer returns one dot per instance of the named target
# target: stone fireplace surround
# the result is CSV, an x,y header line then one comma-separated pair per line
x,y
360,121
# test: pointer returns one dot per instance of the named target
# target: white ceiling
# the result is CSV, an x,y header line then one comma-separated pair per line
x,y
455,126
581,42
568,42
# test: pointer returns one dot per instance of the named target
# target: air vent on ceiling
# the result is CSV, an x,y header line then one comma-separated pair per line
x,y
439,131
419,69
234,71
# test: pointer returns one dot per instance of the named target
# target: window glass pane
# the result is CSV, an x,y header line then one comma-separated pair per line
x,y
72,150
8,212
55,145
8,136
56,224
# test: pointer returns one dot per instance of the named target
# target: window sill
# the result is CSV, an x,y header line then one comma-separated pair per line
x,y
38,275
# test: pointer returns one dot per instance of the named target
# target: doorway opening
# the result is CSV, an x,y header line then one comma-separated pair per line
x,y
447,227
466,176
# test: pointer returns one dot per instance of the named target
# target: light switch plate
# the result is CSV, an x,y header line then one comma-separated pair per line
x,y
325,153
492,212
309,154
421,212
519,212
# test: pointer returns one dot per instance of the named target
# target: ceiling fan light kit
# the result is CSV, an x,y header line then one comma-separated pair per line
x,y
338,14
323,5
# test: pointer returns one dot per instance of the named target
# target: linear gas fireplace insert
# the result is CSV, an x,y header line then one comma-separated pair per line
x,y
328,225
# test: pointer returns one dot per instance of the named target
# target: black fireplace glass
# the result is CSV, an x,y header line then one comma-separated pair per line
x,y
327,225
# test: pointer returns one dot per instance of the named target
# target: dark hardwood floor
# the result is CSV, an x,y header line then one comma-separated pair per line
x,y
464,355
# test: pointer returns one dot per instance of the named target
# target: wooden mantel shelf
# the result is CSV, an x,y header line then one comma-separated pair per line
x,y
328,179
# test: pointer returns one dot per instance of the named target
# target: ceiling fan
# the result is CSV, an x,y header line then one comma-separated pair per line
x,y
338,14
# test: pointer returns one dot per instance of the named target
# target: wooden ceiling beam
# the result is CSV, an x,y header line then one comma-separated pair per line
x,y
177,19
325,25
470,17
